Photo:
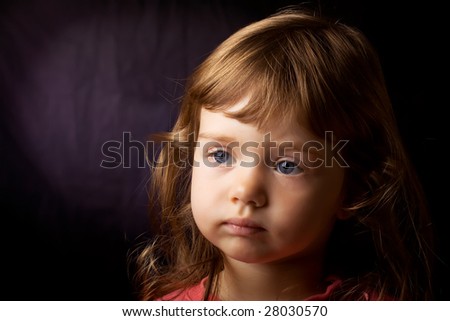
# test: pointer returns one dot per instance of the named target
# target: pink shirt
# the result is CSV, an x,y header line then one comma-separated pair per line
x,y
195,293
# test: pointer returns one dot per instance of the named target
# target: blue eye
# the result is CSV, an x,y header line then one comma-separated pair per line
x,y
220,156
288,168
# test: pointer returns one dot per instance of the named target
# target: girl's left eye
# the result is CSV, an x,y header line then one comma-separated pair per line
x,y
220,156
288,168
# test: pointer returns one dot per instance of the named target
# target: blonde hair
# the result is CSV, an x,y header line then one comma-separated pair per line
x,y
326,76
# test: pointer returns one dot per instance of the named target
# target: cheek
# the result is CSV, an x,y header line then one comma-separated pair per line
x,y
310,207
203,204
308,227
197,193
305,218
203,193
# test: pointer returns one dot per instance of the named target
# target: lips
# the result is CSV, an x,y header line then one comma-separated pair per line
x,y
242,227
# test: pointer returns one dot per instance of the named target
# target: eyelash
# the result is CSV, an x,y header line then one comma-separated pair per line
x,y
295,167
216,153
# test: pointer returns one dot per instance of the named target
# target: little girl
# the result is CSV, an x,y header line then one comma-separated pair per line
x,y
284,177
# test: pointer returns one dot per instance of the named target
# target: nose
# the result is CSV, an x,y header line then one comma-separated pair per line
x,y
249,187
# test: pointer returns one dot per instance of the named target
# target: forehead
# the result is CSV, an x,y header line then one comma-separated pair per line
x,y
221,125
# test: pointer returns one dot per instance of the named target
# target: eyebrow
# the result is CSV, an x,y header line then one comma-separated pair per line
x,y
296,145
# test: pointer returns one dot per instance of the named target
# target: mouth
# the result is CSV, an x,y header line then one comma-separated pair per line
x,y
242,227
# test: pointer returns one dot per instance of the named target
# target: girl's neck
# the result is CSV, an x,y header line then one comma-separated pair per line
x,y
288,280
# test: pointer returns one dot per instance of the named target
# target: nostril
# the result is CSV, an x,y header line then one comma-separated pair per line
x,y
255,198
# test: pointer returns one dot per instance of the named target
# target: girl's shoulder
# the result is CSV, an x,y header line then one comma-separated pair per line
x,y
332,283
337,291
333,286
194,293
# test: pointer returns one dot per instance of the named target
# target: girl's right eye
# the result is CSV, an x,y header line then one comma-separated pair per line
x,y
219,156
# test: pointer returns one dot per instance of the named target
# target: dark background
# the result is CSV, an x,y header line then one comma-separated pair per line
x,y
76,74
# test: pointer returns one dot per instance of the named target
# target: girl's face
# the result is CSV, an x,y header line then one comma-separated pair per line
x,y
263,197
